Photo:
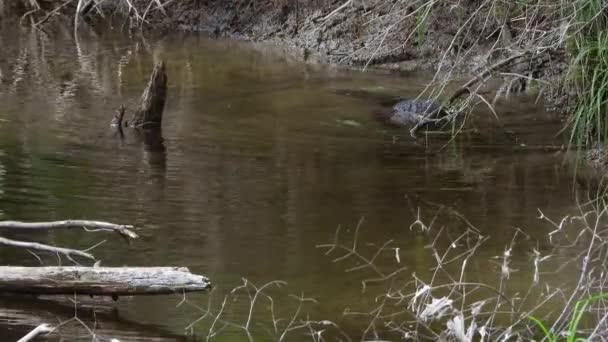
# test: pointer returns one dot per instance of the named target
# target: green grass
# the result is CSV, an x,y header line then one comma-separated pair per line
x,y
422,25
588,74
579,310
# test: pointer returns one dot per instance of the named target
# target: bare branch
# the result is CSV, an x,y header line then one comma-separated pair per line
x,y
41,247
92,226
39,330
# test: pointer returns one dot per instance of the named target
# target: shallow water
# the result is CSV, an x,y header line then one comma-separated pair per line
x,y
264,158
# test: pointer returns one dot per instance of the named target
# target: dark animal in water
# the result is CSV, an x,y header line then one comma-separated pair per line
x,y
417,113
413,114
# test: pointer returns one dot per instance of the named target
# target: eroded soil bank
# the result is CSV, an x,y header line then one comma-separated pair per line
x,y
403,35
463,38
398,34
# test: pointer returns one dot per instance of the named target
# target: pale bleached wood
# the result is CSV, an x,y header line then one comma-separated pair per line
x,y
100,281
39,330
123,230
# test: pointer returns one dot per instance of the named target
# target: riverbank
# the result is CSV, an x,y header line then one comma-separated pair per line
x,y
395,35
263,160
405,36
457,41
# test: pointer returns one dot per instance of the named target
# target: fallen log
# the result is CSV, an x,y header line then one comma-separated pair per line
x,y
100,281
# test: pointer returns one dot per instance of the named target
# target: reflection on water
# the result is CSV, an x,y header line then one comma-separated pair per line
x,y
261,158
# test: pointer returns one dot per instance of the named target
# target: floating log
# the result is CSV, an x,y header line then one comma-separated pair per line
x,y
100,281
150,111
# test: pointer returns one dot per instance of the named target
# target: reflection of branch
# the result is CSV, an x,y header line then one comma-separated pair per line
x,y
29,312
51,13
364,262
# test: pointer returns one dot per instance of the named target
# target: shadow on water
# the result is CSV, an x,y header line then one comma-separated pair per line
x,y
154,150
259,160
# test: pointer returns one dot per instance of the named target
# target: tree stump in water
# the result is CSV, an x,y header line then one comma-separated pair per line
x,y
150,111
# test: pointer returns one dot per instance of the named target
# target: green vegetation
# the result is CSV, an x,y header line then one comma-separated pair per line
x,y
422,24
579,309
588,74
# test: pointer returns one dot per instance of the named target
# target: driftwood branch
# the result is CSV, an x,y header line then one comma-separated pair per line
x,y
90,226
124,230
45,248
100,281
150,111
39,330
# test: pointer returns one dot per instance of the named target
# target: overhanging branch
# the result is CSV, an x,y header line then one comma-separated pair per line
x,y
124,230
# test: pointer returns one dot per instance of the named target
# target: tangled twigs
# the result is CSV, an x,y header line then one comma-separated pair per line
x,y
90,226
51,13
447,302
466,89
365,262
484,75
256,301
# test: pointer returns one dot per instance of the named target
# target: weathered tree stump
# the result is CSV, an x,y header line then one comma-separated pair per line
x,y
150,111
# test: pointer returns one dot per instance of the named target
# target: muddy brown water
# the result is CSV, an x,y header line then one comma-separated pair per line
x,y
264,157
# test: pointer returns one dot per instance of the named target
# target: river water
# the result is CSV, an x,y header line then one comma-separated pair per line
x,y
264,158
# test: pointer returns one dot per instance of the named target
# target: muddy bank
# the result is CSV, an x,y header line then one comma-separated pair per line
x,y
457,39
398,35
360,33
